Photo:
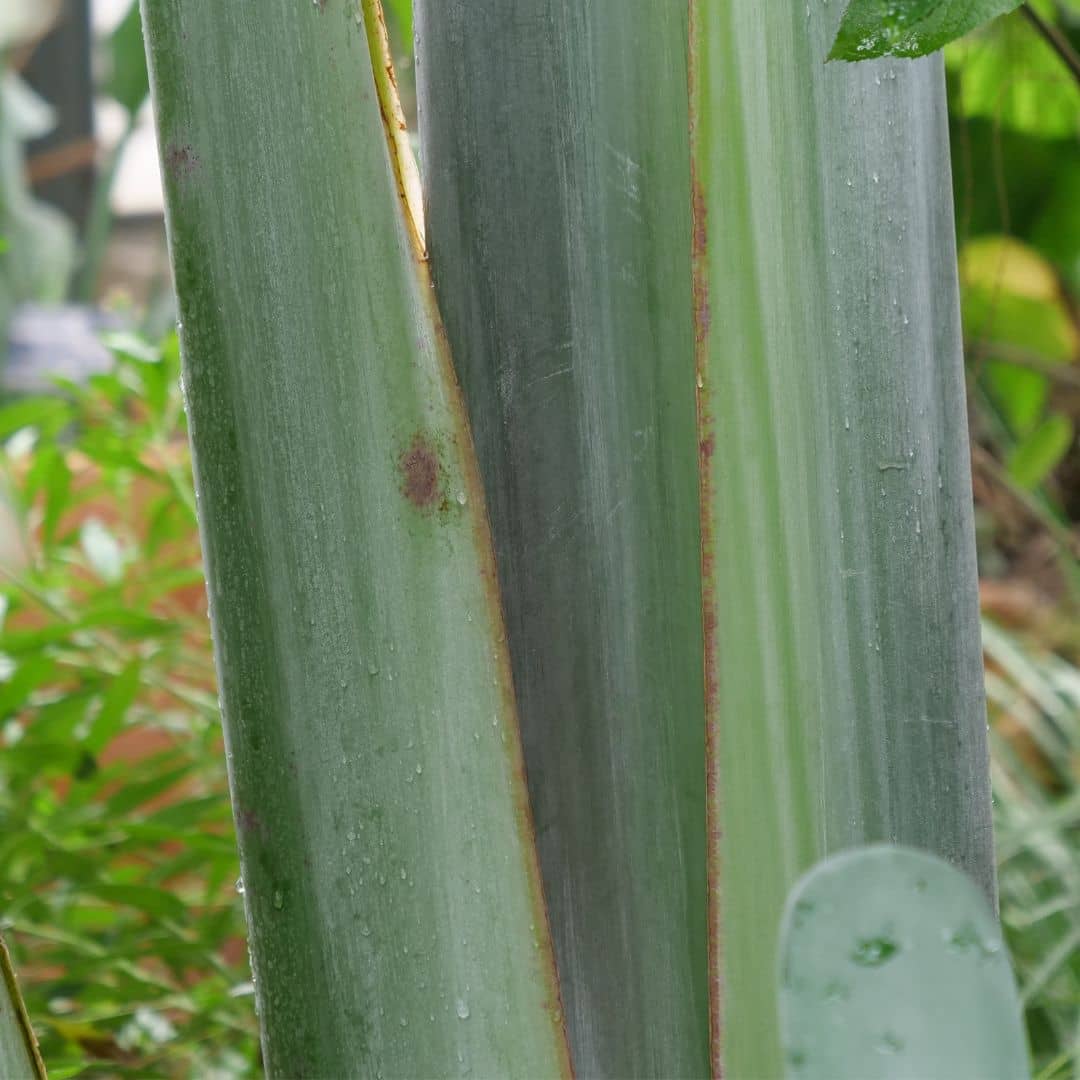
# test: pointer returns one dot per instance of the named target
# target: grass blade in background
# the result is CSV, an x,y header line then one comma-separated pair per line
x,y
556,174
396,924
19,1057
845,684
893,967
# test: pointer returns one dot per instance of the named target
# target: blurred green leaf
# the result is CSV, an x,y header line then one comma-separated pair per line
x,y
49,415
50,473
1040,451
128,81
115,703
1056,230
1020,394
1010,75
1013,304
156,902
400,12
1011,295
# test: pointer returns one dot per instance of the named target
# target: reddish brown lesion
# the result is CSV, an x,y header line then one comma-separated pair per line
x,y
180,160
421,480
700,276
248,821
706,452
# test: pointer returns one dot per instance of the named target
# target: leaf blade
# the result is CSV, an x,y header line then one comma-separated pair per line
x,y
841,590
556,163
385,846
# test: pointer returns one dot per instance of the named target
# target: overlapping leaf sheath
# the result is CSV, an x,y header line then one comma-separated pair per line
x,y
893,966
845,681
388,869
556,165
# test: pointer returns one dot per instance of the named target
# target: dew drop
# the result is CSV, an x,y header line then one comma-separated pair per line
x,y
875,951
889,1044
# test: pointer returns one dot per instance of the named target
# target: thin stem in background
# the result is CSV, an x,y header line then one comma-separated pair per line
x,y
1055,39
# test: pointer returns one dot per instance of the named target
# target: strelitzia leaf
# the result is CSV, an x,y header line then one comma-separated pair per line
x,y
389,877
556,153
872,28
893,966
845,690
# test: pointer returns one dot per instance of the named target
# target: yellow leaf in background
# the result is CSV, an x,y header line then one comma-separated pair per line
x,y
1011,296
1000,262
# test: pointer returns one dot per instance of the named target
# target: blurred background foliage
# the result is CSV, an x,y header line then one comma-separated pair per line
x,y
118,874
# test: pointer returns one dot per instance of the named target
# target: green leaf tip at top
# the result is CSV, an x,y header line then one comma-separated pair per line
x,y
909,28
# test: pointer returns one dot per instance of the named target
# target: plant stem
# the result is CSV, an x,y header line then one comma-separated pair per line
x,y
1063,374
1066,541
1055,39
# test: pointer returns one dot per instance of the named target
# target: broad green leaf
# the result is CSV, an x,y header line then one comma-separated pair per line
x,y
396,921
893,967
872,28
19,1058
556,162
845,678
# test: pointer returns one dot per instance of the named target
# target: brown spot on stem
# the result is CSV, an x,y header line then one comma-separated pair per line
x,y
419,466
180,161
248,821
701,232
702,316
